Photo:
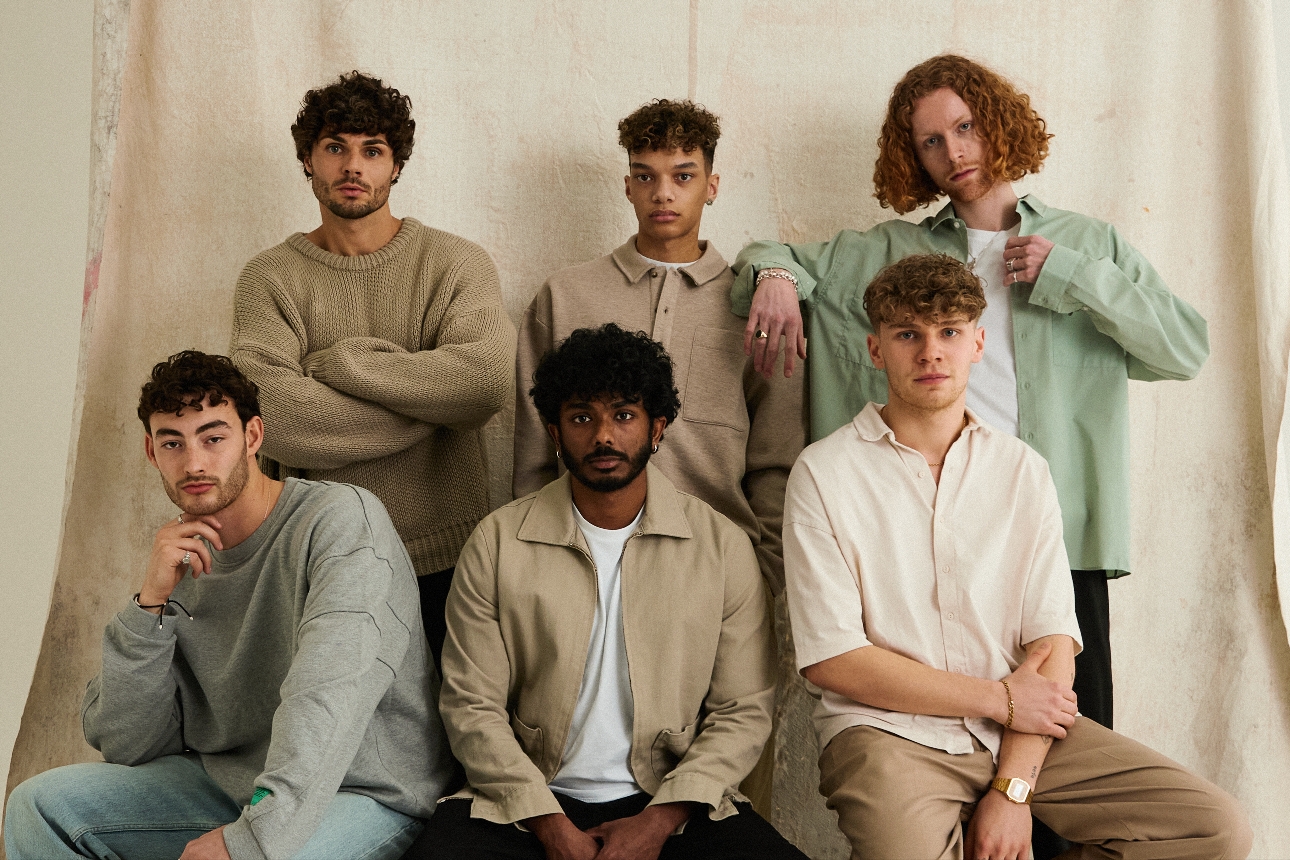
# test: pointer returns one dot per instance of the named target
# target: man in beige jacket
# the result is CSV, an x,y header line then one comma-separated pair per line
x,y
608,666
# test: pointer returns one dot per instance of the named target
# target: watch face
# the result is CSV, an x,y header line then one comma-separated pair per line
x,y
1018,790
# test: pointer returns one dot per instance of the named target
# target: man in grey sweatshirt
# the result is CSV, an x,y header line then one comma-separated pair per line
x,y
279,701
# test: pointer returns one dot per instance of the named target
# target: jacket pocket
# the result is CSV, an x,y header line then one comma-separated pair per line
x,y
669,748
530,740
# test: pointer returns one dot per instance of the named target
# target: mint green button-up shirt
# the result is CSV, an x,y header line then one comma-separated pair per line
x,y
1098,316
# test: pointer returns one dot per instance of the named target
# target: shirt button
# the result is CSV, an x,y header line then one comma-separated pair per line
x,y
1026,386
1030,437
920,474
945,568
950,616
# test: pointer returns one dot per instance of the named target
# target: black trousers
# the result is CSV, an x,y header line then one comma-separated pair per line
x,y
433,589
434,597
1092,677
451,834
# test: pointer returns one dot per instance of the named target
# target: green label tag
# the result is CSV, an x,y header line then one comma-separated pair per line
x,y
260,794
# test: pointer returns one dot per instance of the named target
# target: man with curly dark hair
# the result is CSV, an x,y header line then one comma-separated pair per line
x,y
253,687
737,437
608,671
932,608
1074,312
380,345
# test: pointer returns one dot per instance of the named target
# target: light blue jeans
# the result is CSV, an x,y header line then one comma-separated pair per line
x,y
113,812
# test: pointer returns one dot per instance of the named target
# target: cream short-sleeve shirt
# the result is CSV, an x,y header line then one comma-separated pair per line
x,y
958,576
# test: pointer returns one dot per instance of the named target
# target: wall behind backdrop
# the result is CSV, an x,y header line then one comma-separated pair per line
x,y
1166,124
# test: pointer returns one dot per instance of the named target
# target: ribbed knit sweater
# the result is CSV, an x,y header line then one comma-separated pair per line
x,y
379,370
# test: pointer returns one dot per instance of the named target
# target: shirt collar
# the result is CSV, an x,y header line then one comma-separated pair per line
x,y
1027,205
551,520
709,266
870,427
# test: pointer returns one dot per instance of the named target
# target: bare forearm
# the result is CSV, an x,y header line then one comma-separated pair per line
x,y
1022,755
884,679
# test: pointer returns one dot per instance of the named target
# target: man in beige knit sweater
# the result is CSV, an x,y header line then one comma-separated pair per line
x,y
380,345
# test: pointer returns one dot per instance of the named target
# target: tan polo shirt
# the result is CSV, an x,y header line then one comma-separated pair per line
x,y
737,434
958,577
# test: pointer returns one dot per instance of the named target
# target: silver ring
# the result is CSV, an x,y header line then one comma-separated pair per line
x,y
187,556
181,519
760,335
1014,277
1009,265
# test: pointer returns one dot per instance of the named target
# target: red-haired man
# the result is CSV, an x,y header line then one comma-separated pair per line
x,y
1074,313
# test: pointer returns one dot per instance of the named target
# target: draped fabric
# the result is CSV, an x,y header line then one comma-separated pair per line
x,y
1166,124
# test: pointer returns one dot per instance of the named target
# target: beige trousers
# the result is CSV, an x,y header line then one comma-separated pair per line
x,y
1115,797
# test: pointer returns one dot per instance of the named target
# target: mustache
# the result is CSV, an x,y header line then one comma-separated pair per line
x,y
360,183
604,451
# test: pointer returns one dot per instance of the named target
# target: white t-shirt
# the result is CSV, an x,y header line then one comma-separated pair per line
x,y
992,387
594,768
662,265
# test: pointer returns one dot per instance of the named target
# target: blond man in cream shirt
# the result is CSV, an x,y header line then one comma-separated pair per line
x,y
933,613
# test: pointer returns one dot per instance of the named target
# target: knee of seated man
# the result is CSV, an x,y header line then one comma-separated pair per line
x,y
1226,826
40,799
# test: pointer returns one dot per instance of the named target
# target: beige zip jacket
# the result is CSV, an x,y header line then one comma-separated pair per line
x,y
519,624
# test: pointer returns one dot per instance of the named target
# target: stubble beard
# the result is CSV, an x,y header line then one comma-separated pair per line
x,y
351,210
608,484
927,402
227,491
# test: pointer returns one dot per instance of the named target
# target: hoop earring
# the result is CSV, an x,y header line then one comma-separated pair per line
x,y
654,450
557,453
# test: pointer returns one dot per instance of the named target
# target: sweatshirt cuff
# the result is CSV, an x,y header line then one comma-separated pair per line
x,y
240,841
143,623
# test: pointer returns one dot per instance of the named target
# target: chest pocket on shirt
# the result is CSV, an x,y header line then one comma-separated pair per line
x,y
1077,343
714,387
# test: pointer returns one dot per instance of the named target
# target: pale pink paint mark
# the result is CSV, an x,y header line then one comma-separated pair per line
x,y
91,280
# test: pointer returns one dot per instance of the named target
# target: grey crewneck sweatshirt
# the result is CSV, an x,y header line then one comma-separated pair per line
x,y
303,669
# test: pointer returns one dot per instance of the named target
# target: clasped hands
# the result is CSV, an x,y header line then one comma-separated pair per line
x,y
637,837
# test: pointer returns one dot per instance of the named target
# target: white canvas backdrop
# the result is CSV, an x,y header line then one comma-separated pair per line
x,y
1166,125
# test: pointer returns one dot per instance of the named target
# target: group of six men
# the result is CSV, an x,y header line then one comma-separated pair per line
x,y
605,641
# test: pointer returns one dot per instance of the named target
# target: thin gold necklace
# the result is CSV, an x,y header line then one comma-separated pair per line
x,y
972,258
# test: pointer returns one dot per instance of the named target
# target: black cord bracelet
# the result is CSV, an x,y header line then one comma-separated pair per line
x,y
162,606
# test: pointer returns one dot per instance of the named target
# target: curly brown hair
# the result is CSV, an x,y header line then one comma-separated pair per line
x,y
667,124
355,104
187,378
927,286
1017,137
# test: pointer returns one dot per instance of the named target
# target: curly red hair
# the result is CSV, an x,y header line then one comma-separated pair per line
x,y
1016,135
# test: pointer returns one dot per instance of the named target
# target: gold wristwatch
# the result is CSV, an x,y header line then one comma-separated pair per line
x,y
1016,790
